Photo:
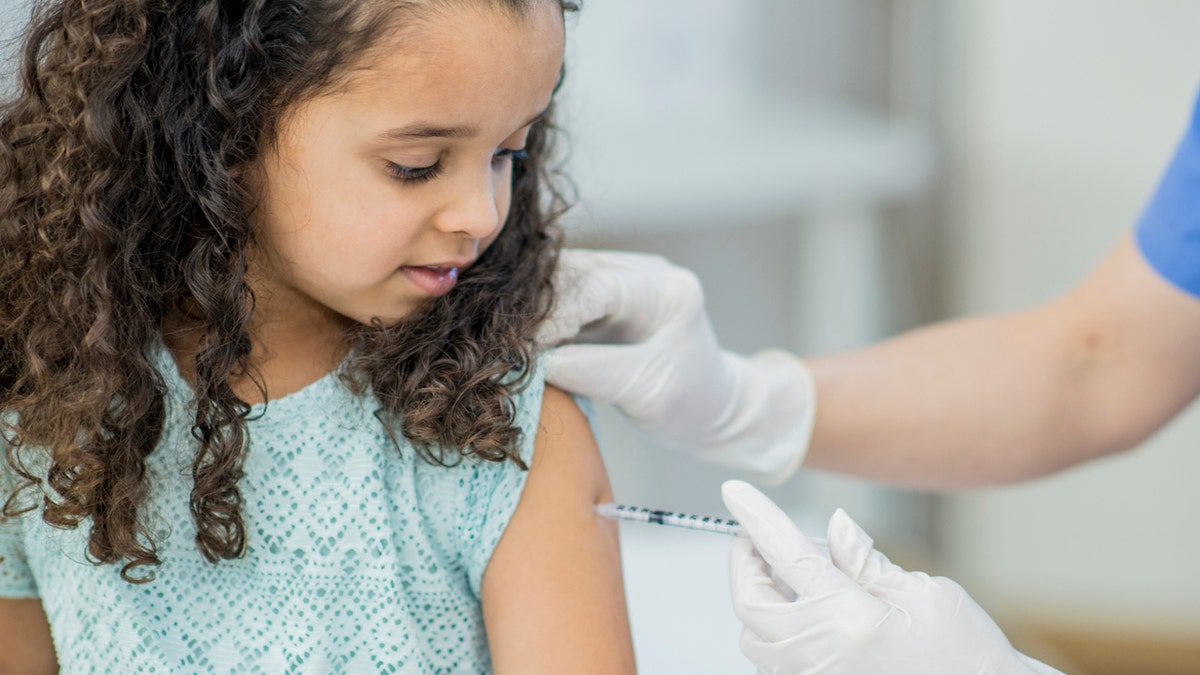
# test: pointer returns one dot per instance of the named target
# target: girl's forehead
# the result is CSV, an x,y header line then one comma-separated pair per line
x,y
461,63
457,39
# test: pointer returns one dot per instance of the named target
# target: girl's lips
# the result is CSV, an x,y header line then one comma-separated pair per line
x,y
433,280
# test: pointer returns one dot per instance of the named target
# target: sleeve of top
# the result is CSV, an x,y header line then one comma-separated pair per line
x,y
16,579
496,487
1168,233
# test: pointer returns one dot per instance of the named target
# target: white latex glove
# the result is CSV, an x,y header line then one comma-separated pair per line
x,y
643,342
856,614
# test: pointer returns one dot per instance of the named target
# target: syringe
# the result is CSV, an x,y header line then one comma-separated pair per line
x,y
703,523
684,520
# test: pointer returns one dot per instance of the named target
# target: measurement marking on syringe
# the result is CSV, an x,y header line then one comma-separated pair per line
x,y
659,517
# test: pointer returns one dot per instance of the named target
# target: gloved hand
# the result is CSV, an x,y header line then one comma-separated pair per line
x,y
855,614
643,342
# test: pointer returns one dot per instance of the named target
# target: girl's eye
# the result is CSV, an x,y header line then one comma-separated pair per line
x,y
422,174
409,174
506,154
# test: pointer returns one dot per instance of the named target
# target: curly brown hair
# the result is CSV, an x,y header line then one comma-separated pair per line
x,y
122,199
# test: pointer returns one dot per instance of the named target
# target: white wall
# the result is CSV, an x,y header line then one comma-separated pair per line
x,y
1061,115
652,81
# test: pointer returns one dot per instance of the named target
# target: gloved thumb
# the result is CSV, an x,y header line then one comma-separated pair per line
x,y
616,296
793,558
575,368
580,297
853,552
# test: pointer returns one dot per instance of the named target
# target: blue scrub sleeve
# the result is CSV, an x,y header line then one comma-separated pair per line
x,y
1168,232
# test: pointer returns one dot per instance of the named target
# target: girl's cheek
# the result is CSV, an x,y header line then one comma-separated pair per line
x,y
487,242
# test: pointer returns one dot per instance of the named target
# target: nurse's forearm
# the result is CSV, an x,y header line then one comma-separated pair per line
x,y
962,403
1003,398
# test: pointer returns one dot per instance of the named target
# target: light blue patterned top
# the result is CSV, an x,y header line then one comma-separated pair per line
x,y
361,559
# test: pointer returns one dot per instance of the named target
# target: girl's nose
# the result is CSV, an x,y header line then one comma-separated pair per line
x,y
472,210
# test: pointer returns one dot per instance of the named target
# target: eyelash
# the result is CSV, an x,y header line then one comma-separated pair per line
x,y
425,174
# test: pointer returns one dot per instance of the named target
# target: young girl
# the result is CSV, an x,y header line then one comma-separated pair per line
x,y
271,273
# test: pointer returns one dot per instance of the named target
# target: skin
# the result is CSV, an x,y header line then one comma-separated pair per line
x,y
553,597
1004,398
336,227
25,644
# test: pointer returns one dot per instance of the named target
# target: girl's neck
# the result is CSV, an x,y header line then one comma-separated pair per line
x,y
284,360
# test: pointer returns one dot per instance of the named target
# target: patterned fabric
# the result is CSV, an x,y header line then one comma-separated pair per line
x,y
362,558
1168,233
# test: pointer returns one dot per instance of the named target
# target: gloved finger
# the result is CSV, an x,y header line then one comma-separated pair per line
x,y
589,370
780,657
617,294
752,645
557,330
791,555
585,293
758,602
561,326
636,295
853,552
750,577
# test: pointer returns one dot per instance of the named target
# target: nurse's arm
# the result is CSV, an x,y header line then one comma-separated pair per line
x,y
1003,398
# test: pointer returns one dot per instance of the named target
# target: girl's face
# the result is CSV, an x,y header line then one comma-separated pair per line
x,y
374,198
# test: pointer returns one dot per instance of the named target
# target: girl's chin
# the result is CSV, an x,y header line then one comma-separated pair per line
x,y
391,318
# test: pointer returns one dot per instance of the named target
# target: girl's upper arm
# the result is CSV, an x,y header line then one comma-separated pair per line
x,y
553,599
25,644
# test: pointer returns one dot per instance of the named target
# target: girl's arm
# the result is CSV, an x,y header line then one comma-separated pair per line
x,y
553,599
25,645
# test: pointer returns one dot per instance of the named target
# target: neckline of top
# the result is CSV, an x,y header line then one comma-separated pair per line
x,y
274,411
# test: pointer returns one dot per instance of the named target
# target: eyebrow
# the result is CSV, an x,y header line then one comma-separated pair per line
x,y
423,130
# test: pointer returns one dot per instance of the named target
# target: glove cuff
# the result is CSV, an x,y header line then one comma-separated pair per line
x,y
768,428
794,405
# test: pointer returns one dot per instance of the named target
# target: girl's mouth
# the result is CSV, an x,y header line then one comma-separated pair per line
x,y
433,280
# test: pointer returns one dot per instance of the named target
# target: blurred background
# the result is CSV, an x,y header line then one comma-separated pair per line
x,y
837,171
